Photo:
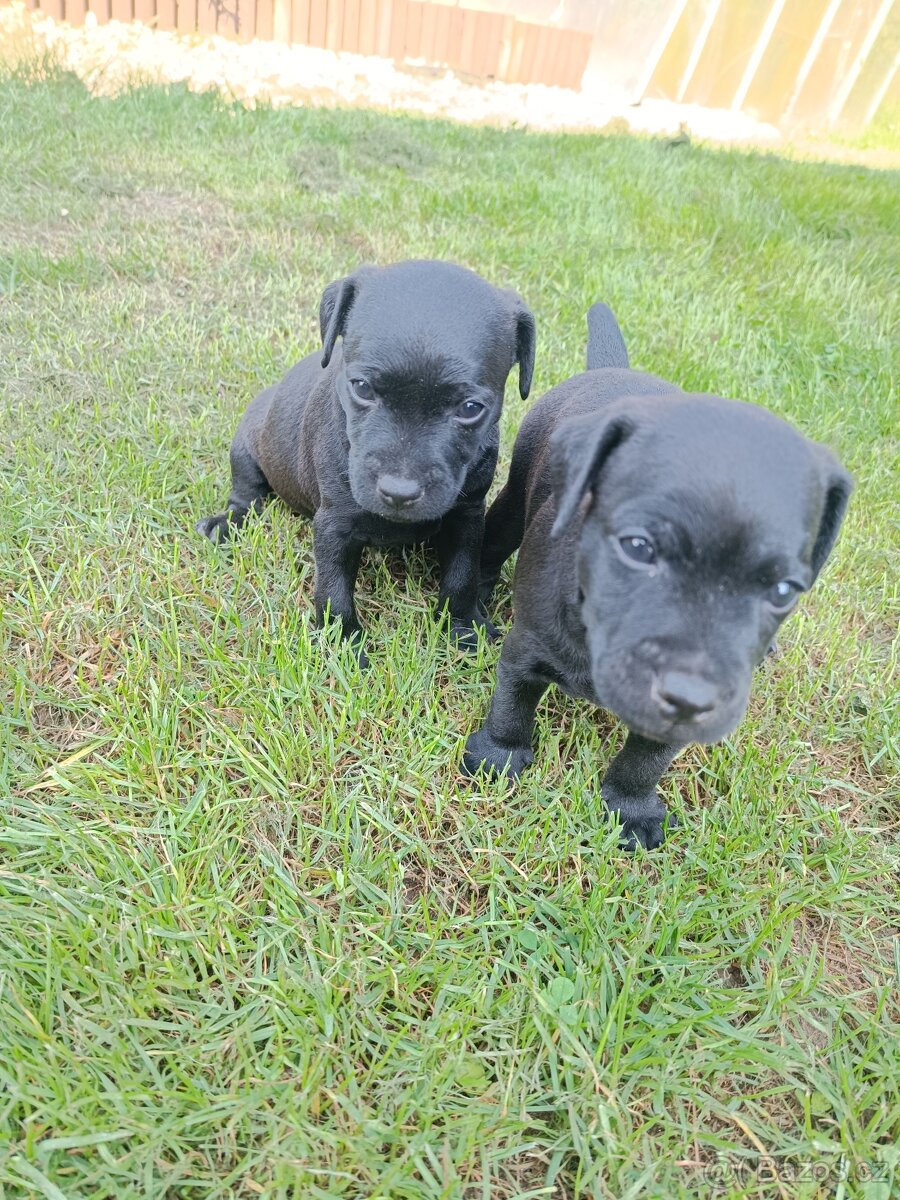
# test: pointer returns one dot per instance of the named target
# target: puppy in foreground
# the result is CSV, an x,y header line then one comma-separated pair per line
x,y
664,538
391,437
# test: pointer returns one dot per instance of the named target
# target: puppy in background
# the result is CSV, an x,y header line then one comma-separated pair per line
x,y
391,437
664,538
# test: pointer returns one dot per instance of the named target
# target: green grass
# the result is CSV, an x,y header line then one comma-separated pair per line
x,y
257,936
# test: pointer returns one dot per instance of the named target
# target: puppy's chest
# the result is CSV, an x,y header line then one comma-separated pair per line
x,y
575,680
378,531
563,665
569,665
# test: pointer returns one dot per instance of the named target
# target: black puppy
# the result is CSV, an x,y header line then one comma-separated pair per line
x,y
666,537
392,437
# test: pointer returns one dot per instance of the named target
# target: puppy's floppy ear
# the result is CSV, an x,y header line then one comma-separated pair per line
x,y
837,487
526,336
578,451
334,308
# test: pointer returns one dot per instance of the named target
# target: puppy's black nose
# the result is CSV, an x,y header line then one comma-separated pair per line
x,y
684,695
397,492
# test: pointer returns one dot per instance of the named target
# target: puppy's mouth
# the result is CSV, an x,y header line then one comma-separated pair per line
x,y
672,707
681,732
405,516
406,501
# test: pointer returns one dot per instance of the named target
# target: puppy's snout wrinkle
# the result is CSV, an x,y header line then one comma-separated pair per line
x,y
398,492
683,694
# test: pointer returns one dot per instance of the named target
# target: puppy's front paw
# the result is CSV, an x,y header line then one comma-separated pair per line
x,y
355,642
465,633
485,756
644,821
650,834
219,528
348,631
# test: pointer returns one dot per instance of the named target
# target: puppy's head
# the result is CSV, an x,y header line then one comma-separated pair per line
x,y
702,522
427,348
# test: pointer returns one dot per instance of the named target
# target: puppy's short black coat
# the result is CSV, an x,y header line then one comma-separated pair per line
x,y
664,538
390,437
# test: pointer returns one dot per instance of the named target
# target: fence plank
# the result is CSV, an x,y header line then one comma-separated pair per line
x,y
281,20
186,15
207,16
429,28
383,29
559,68
557,57
517,45
300,22
572,77
246,20
334,24
166,16
848,29
773,84
498,22
481,46
264,18
228,17
412,37
442,26
350,40
529,49
576,60
398,29
121,10
504,55
582,55
368,22
545,41
53,8
467,42
318,17
75,10
145,10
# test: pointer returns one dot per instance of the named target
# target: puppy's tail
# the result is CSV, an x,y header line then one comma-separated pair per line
x,y
605,345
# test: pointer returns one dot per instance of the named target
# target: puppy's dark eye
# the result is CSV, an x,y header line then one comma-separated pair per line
x,y
638,549
782,595
469,411
362,391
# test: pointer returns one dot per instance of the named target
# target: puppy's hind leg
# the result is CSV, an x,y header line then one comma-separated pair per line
x,y
503,530
249,491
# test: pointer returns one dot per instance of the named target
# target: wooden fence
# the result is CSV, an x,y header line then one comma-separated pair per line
x,y
831,62
822,62
484,45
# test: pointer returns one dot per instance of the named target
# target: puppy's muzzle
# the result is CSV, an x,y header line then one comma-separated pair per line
x,y
684,695
398,493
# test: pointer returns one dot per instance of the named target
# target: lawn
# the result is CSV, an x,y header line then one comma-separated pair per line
x,y
258,937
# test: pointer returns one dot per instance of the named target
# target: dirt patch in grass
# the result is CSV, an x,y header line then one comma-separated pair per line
x,y
859,969
60,726
442,885
178,208
862,794
523,1173
322,167
52,238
